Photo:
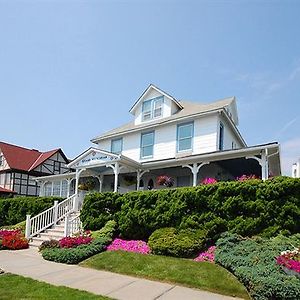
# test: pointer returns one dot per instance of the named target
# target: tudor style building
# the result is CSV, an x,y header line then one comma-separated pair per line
x,y
19,167
187,141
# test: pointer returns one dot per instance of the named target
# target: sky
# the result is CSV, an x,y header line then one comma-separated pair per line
x,y
71,70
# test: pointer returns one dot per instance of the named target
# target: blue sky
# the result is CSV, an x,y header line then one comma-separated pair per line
x,y
70,70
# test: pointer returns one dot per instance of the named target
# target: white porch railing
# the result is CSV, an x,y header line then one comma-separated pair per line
x,y
72,225
51,216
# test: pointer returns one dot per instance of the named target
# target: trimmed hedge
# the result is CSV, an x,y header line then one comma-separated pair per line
x,y
75,255
178,243
14,210
252,261
248,208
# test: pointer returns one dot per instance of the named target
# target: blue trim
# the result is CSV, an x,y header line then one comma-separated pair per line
x,y
111,144
141,151
152,101
192,137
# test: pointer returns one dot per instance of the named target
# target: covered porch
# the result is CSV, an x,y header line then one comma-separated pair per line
x,y
104,171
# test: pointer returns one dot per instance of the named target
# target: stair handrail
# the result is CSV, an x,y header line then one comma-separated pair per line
x,y
50,216
72,225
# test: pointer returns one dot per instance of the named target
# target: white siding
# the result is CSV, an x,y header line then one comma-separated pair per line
x,y
165,140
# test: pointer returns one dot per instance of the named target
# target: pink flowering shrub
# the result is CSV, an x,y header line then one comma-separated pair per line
x,y
7,232
246,177
72,242
129,246
290,260
165,180
209,180
208,255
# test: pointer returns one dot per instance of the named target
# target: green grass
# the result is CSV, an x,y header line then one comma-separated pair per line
x,y
18,287
202,275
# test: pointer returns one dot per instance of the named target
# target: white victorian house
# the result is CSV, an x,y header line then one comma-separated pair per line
x,y
187,141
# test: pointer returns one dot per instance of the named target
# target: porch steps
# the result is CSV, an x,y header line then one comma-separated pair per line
x,y
54,233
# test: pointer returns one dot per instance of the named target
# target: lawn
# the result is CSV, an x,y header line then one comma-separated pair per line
x,y
202,275
18,287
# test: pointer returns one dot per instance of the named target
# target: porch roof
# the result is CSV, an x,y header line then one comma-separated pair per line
x,y
273,155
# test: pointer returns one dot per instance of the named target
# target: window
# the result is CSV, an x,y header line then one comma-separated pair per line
x,y
1,160
56,166
221,137
117,146
185,134
147,143
152,108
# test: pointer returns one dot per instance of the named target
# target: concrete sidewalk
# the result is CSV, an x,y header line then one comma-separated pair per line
x,y
30,263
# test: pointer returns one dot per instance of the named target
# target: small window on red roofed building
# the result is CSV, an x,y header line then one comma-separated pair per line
x,y
56,166
1,160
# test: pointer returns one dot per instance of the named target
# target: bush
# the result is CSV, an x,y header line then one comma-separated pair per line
x,y
98,209
178,243
75,241
14,210
253,262
248,208
108,230
49,244
75,255
83,251
13,240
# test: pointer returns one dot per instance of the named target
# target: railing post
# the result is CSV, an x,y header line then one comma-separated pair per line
x,y
75,202
55,211
66,229
28,227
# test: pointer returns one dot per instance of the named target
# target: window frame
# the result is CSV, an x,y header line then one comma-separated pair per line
x,y
111,145
151,112
141,144
191,137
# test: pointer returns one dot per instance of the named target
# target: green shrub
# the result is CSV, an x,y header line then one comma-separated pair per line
x,y
20,226
14,210
178,243
108,230
75,255
252,261
247,208
98,209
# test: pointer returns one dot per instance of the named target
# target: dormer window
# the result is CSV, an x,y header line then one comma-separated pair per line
x,y
152,108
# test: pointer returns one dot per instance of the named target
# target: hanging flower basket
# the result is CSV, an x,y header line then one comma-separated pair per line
x,y
165,180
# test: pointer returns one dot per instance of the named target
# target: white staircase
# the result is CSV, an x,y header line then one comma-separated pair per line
x,y
60,220
56,232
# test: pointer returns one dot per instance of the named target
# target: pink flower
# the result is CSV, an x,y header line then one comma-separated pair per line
x,y
209,180
209,255
136,246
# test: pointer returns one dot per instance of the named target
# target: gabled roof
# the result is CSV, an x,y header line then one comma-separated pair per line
x,y
3,190
190,109
23,159
152,86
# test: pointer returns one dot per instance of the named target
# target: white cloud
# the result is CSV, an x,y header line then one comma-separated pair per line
x,y
290,153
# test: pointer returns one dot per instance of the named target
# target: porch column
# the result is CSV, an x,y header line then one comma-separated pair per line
x,y
52,188
100,179
139,174
78,173
69,181
116,168
263,162
195,169
42,188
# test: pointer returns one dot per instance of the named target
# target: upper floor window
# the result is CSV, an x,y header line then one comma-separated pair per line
x,y
185,134
221,137
116,146
1,160
152,108
56,166
147,143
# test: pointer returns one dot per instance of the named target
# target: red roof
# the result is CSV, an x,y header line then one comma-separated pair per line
x,y
24,159
3,190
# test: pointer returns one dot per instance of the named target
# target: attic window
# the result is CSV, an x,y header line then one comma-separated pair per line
x,y
1,160
152,108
